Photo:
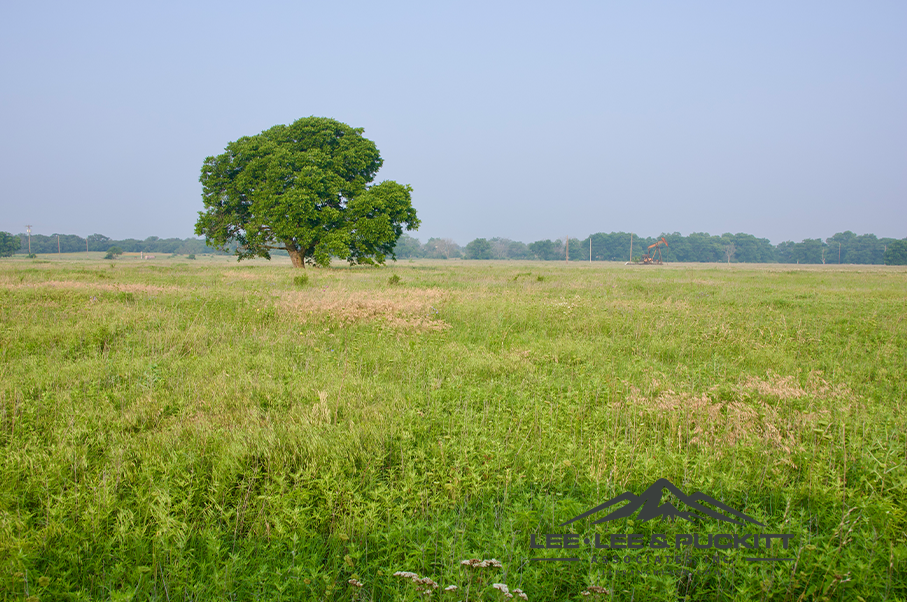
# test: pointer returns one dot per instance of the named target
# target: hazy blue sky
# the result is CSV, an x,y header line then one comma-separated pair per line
x,y
787,120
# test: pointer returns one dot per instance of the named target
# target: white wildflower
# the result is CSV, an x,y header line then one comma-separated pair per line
x,y
406,575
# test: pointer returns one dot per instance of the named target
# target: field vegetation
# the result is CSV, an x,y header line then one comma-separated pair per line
x,y
207,430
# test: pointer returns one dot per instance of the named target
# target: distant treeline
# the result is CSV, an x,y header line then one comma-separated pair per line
x,y
844,247
70,243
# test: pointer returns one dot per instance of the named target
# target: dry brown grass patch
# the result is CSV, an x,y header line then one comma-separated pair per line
x,y
407,309
719,425
787,387
92,286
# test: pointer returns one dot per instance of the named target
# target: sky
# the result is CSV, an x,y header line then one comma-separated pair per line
x,y
525,120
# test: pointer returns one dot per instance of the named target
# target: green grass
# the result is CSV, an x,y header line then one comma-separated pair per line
x,y
211,430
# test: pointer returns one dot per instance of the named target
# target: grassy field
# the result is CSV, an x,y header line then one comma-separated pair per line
x,y
207,430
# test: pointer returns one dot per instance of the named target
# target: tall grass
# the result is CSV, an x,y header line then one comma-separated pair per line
x,y
217,431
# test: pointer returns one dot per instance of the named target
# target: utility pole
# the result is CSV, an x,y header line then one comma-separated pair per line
x,y
28,229
58,244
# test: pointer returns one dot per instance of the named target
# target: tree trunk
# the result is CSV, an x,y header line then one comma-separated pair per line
x,y
296,257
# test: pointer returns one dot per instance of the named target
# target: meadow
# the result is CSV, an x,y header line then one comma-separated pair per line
x,y
207,430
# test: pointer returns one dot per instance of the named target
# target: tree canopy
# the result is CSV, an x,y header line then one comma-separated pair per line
x,y
896,253
304,187
480,248
9,244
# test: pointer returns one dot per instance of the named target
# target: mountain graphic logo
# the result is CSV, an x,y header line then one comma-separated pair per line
x,y
649,506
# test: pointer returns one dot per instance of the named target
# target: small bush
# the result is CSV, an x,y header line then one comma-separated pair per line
x,y
190,256
32,256
540,279
301,280
395,279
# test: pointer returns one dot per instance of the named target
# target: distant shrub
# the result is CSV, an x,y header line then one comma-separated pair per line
x,y
395,279
113,253
301,280
190,256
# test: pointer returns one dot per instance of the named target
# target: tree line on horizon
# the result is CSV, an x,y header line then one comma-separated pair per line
x,y
71,243
698,247
843,247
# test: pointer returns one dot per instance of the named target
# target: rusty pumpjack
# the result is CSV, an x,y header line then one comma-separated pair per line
x,y
649,257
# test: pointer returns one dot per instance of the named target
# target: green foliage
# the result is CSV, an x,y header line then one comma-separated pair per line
x,y
113,252
395,279
436,248
844,248
98,241
896,253
847,247
548,250
70,243
190,256
408,247
480,248
304,188
301,280
9,244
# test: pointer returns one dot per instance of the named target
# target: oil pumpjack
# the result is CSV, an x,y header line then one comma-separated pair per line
x,y
649,258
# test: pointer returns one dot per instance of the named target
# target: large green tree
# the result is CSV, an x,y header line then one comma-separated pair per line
x,y
304,187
